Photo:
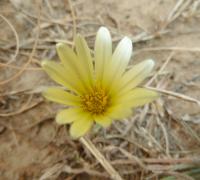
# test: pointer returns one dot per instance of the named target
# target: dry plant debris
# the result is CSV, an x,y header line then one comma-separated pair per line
x,y
161,140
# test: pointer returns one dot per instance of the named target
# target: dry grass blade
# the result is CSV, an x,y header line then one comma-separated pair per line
x,y
108,167
73,17
174,48
174,94
29,59
16,37
161,69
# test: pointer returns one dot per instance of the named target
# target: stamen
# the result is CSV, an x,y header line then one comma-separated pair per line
x,y
96,101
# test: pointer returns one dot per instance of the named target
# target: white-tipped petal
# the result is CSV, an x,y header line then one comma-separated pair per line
x,y
119,62
122,55
136,75
102,51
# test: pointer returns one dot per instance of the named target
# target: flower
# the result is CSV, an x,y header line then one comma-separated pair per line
x,y
97,89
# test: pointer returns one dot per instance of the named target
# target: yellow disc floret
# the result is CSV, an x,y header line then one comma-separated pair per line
x,y
96,101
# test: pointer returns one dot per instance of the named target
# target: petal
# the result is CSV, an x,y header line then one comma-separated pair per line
x,y
85,59
56,72
137,97
119,62
72,64
122,105
68,115
60,96
102,51
118,112
61,76
136,75
122,55
103,120
81,126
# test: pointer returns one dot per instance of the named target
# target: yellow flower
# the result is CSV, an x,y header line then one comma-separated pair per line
x,y
96,88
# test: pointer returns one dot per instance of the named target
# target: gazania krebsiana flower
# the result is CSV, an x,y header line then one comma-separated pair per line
x,y
97,89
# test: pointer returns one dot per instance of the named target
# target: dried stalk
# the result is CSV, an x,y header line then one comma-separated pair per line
x,y
108,167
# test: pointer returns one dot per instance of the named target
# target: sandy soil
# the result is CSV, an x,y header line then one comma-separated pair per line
x,y
161,140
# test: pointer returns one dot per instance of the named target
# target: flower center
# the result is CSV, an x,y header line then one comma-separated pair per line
x,y
96,101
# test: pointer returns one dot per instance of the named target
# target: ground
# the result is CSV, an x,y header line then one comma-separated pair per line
x,y
160,141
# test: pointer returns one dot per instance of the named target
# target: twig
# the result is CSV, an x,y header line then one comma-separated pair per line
x,y
24,108
161,69
182,7
172,48
164,161
176,7
29,59
16,37
108,167
165,135
73,18
16,67
177,95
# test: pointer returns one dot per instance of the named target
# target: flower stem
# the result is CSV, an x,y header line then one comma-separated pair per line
x,y
102,160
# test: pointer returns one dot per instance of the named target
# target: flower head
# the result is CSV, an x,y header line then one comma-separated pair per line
x,y
97,89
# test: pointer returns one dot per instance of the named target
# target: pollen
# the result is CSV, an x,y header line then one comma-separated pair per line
x,y
96,101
